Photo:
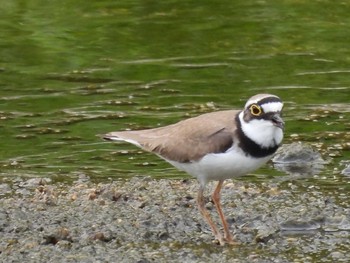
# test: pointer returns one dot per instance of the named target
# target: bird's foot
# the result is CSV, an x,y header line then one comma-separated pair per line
x,y
226,240
219,239
231,241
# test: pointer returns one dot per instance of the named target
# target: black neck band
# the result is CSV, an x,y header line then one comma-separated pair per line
x,y
249,146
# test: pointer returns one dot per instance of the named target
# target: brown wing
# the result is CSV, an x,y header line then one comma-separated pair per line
x,y
187,140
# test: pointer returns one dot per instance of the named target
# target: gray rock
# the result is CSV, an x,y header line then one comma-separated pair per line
x,y
298,158
346,171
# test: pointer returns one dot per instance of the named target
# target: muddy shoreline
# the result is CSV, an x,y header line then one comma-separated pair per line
x,y
148,220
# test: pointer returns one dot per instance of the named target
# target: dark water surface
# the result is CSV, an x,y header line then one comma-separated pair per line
x,y
72,69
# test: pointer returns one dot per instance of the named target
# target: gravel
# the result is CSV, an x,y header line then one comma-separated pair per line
x,y
148,220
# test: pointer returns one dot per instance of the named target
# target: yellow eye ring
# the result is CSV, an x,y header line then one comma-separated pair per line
x,y
255,110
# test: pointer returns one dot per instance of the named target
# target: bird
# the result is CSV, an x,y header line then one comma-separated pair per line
x,y
216,146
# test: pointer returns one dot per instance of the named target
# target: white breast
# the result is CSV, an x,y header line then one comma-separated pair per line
x,y
221,166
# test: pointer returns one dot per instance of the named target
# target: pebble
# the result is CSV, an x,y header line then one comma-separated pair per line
x,y
346,171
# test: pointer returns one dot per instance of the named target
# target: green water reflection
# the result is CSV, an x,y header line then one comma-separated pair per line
x,y
71,70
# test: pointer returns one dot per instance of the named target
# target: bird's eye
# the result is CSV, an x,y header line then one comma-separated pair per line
x,y
255,110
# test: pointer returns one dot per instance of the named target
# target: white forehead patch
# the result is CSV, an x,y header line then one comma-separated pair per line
x,y
250,102
256,99
272,106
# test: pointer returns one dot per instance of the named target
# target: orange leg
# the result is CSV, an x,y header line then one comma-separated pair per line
x,y
216,199
205,214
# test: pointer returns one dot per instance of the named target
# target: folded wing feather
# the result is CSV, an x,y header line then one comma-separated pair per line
x,y
188,140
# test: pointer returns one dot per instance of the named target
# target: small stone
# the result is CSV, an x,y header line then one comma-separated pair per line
x,y
98,236
74,196
337,255
346,171
92,196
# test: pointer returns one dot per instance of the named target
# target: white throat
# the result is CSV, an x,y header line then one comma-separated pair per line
x,y
262,132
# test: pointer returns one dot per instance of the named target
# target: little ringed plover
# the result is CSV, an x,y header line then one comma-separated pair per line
x,y
216,146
